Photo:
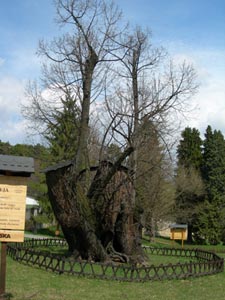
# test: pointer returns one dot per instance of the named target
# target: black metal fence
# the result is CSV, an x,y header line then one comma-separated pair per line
x,y
201,263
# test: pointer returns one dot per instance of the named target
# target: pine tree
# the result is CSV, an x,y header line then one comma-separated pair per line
x,y
213,174
214,163
62,133
189,185
189,152
208,224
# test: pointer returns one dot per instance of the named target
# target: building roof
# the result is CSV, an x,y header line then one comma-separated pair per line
x,y
21,165
58,166
181,226
31,202
69,163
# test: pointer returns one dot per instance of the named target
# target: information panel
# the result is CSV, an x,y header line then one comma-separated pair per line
x,y
12,208
178,234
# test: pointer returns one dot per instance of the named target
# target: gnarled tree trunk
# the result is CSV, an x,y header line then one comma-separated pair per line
x,y
98,222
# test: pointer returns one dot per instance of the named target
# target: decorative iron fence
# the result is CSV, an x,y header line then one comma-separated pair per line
x,y
201,263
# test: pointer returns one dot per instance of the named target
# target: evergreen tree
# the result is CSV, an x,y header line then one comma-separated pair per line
x,y
210,224
189,185
62,132
214,163
189,152
213,174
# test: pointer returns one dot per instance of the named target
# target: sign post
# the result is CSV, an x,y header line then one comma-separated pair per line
x,y
178,232
14,171
3,270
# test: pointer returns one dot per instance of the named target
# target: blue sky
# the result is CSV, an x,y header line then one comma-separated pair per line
x,y
191,21
193,30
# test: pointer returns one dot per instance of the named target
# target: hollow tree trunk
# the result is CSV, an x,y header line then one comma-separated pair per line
x,y
97,225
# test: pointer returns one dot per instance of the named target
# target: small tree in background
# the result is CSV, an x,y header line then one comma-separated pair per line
x,y
190,195
155,191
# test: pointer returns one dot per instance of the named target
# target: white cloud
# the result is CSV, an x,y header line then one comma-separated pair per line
x,y
209,102
12,125
210,99
24,62
11,93
211,105
13,132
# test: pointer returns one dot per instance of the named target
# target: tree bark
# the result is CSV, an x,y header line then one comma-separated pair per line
x,y
97,225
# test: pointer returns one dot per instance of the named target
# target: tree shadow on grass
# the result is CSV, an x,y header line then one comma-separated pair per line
x,y
6,296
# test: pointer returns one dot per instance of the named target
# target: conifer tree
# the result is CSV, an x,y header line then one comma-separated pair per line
x,y
189,152
189,185
62,132
214,163
213,174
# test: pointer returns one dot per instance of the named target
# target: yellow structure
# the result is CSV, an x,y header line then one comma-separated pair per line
x,y
179,232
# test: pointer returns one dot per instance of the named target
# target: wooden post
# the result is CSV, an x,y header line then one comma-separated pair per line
x,y
182,235
3,270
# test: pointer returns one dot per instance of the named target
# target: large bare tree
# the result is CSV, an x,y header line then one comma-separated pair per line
x,y
95,205
151,89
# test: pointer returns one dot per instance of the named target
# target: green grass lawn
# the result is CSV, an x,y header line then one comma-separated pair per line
x,y
24,282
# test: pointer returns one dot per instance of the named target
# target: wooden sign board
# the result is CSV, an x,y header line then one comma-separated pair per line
x,y
13,191
178,234
11,236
